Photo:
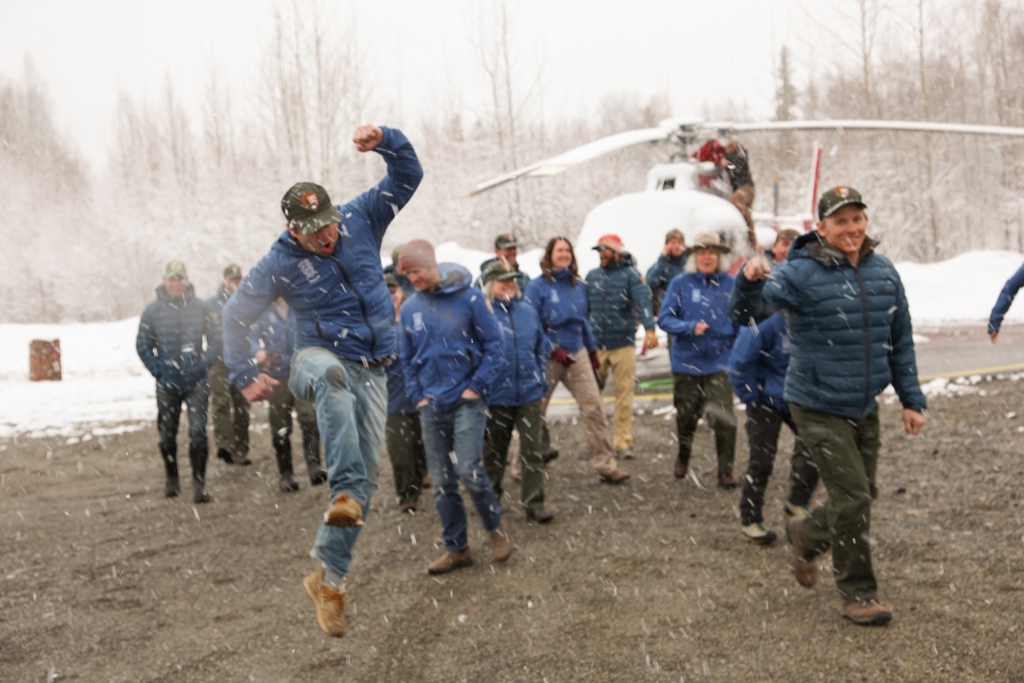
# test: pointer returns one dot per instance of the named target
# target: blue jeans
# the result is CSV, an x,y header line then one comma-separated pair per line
x,y
351,408
454,442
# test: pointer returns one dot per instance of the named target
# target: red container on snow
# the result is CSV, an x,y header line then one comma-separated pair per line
x,y
44,360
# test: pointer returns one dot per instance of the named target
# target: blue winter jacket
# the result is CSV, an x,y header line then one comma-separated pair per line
x,y
660,274
341,301
450,341
523,377
563,311
1009,291
692,298
758,362
274,333
617,296
170,340
849,328
399,402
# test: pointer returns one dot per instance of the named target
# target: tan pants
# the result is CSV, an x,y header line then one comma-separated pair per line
x,y
621,363
579,379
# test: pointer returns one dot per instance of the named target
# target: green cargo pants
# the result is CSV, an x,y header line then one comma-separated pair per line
x,y
846,453
711,395
527,419
408,456
229,411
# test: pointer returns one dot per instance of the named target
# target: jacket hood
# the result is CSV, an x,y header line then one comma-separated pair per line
x,y
454,278
625,261
188,296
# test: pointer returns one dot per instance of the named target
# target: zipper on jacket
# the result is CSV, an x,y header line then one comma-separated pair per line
x,y
362,307
867,340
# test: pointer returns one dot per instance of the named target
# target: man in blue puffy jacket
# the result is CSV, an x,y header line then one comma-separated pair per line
x,y
850,337
451,354
178,340
326,265
617,297
516,398
669,264
1006,296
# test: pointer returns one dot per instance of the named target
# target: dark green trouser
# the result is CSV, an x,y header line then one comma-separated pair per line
x,y
711,395
527,419
846,453
229,411
279,415
404,440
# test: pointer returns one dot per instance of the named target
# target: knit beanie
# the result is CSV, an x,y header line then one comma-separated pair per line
x,y
416,254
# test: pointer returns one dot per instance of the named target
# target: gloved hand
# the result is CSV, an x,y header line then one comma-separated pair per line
x,y
563,357
650,340
594,361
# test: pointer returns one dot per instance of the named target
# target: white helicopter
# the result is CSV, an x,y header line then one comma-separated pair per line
x,y
691,195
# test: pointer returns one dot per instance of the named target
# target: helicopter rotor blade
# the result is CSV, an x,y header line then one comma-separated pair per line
x,y
723,129
578,155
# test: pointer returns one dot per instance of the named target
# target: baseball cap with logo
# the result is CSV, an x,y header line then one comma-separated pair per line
x,y
836,198
308,208
506,241
176,269
233,272
499,271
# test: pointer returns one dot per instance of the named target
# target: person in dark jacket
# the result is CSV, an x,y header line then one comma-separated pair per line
x,y
392,269
757,368
451,354
617,297
515,401
327,267
178,340
273,345
695,312
228,408
1006,296
561,302
506,251
669,264
850,337
737,165
403,435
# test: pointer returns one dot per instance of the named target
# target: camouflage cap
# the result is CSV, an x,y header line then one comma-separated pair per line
x,y
787,235
674,234
499,271
836,198
308,208
390,280
176,269
506,241
233,272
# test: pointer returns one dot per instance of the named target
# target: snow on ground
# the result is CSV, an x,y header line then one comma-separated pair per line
x,y
106,384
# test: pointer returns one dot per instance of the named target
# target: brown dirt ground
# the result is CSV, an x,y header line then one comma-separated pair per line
x,y
104,580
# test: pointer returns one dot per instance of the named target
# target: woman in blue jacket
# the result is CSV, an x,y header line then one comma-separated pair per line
x,y
517,395
560,297
696,311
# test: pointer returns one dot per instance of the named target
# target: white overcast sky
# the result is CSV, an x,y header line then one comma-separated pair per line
x,y
695,50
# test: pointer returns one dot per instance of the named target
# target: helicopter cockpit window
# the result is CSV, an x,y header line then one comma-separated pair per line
x,y
668,183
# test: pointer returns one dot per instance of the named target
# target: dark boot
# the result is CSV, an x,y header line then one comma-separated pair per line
x,y
311,449
173,487
197,457
283,453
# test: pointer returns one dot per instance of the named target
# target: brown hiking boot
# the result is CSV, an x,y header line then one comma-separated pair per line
x,y
867,612
344,511
329,604
450,561
616,476
539,515
501,544
805,564
727,481
680,470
